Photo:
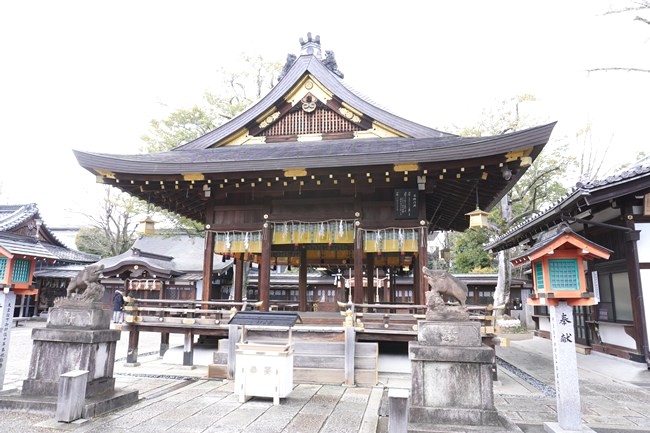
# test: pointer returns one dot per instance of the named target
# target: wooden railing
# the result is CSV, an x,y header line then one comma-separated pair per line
x,y
184,312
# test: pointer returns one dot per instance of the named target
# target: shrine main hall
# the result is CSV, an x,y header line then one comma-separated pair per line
x,y
314,175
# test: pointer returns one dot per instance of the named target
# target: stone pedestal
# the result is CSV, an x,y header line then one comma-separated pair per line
x,y
76,337
451,380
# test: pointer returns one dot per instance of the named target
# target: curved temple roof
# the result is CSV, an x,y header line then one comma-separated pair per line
x,y
272,148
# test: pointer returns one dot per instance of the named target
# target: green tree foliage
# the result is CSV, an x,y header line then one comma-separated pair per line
x,y
542,184
113,225
180,127
236,91
468,252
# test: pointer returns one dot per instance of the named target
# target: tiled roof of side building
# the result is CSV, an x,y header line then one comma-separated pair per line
x,y
14,215
551,215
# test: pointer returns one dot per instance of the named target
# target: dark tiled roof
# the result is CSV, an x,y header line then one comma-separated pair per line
x,y
69,255
13,215
639,169
303,65
553,234
24,245
552,215
170,255
46,246
65,272
332,153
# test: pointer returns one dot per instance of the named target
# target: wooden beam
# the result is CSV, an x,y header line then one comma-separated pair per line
x,y
264,277
239,276
358,269
302,280
208,265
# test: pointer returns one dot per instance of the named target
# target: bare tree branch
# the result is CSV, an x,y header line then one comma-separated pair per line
x,y
643,20
619,69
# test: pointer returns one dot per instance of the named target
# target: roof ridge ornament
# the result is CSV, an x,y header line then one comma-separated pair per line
x,y
310,46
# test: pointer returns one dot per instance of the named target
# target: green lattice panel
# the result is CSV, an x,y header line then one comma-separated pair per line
x,y
539,276
564,274
20,272
3,268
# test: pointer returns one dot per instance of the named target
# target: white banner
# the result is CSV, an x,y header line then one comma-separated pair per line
x,y
8,302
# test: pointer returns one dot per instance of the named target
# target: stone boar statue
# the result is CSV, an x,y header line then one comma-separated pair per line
x,y
446,284
83,279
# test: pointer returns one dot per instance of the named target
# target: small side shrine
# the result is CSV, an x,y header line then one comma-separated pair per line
x,y
559,281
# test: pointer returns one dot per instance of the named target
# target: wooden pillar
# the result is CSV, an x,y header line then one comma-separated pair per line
x,y
188,348
132,351
357,294
423,260
208,265
302,279
239,276
264,275
636,294
164,343
370,274
388,287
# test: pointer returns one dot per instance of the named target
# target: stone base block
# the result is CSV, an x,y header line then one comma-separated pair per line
x,y
79,316
446,333
554,427
505,426
59,351
454,416
51,387
46,405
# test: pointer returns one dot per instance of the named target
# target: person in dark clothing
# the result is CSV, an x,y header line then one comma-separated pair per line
x,y
118,305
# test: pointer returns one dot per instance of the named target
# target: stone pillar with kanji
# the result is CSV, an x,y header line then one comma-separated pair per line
x,y
558,263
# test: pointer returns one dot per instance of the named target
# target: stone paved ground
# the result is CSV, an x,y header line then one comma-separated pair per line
x,y
615,397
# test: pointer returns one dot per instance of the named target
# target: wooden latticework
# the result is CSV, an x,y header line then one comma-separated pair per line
x,y
321,121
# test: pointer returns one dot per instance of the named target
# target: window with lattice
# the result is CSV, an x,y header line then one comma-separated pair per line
x,y
539,276
3,268
20,273
564,274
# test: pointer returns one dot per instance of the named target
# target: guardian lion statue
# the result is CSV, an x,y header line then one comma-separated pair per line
x,y
443,283
85,285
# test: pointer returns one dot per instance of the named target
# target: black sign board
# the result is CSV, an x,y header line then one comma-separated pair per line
x,y
261,318
406,204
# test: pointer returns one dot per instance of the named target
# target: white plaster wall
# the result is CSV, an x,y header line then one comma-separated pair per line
x,y
643,245
643,250
615,334
645,289
545,324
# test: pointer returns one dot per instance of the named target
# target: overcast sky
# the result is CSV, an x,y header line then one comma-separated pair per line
x,y
90,75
